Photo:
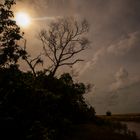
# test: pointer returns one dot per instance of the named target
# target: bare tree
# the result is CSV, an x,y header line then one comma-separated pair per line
x,y
63,40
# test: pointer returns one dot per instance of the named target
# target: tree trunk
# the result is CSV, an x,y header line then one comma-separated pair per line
x,y
54,71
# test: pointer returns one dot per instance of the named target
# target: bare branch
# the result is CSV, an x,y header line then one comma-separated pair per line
x,y
42,36
71,54
63,40
71,63
36,58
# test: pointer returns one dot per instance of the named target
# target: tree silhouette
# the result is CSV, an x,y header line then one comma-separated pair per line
x,y
64,39
10,34
36,105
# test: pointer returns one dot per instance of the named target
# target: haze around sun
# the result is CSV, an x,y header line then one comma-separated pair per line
x,y
23,19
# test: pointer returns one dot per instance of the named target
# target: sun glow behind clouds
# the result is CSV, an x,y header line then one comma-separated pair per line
x,y
23,19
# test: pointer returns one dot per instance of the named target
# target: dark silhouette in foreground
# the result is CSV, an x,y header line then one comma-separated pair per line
x,y
46,104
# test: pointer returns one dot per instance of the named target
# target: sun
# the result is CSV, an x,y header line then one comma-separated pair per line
x,y
22,19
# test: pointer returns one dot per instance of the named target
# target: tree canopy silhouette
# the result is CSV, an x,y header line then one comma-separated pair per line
x,y
10,50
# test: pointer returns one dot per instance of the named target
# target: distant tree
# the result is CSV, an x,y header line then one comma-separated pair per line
x,y
64,39
108,113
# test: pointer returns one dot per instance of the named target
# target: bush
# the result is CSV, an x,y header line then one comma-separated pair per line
x,y
108,113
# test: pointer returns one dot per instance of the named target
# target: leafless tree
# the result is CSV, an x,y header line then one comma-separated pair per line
x,y
63,40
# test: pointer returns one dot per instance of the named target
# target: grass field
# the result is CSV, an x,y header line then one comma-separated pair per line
x,y
134,117
96,132
105,128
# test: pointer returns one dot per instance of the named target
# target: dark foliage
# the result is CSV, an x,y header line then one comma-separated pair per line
x,y
46,104
10,51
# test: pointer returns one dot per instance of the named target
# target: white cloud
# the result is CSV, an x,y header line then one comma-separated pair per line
x,y
123,80
125,45
128,44
91,63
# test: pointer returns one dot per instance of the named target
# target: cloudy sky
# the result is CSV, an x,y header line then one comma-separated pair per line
x,y
112,62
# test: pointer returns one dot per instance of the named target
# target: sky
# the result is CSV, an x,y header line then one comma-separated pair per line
x,y
112,61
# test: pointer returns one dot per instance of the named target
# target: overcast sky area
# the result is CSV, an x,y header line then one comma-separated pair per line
x,y
112,62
